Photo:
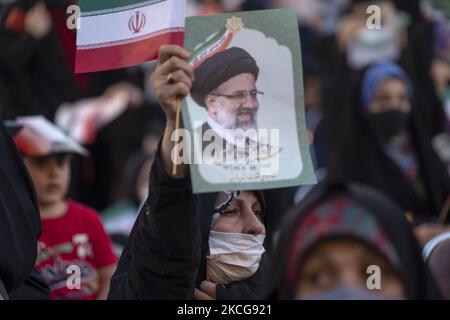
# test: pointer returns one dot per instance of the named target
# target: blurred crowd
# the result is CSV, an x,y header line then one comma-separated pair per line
x,y
377,110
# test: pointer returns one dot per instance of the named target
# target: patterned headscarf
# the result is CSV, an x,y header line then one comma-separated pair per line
x,y
339,217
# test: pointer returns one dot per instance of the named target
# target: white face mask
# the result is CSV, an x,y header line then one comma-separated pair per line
x,y
233,256
370,46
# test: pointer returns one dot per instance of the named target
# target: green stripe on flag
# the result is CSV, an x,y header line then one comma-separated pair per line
x,y
92,7
207,44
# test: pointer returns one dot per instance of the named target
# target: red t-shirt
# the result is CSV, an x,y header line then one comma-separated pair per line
x,y
71,250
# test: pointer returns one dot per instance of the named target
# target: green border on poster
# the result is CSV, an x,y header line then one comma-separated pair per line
x,y
273,23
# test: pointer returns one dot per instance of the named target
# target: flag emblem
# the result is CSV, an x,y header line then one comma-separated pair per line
x,y
124,33
137,22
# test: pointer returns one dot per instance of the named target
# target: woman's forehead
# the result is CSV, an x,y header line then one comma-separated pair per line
x,y
392,83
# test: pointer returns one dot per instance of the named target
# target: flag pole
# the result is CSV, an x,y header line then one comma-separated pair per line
x,y
177,136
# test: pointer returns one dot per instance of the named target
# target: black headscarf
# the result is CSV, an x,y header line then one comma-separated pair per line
x,y
246,289
20,224
202,208
130,176
357,155
412,7
417,280
417,60
34,77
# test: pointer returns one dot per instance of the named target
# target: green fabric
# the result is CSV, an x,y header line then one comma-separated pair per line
x,y
117,210
112,5
442,5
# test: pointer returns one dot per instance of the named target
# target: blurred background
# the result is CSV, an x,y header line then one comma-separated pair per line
x,y
37,54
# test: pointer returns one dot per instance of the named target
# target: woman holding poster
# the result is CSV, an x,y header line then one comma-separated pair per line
x,y
245,110
208,246
186,246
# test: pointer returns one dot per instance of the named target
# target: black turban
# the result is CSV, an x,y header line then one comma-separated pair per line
x,y
218,69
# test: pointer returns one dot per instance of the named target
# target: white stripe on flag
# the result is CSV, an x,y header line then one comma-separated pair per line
x,y
114,27
127,41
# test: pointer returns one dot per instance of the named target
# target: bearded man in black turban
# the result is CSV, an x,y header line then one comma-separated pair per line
x,y
225,84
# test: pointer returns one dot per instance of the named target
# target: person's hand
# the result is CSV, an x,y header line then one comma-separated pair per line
x,y
38,22
133,94
207,291
425,232
172,78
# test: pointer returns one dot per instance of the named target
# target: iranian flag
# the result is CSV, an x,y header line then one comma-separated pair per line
x,y
122,33
217,42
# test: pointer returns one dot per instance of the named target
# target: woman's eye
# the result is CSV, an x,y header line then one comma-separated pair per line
x,y
230,212
319,279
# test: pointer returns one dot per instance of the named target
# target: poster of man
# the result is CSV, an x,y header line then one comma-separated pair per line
x,y
245,112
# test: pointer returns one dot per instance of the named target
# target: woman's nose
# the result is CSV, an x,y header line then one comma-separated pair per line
x,y
253,225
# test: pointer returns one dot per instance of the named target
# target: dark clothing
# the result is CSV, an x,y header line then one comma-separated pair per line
x,y
34,77
34,288
162,257
389,218
278,202
20,224
358,155
412,7
417,62
166,255
3,292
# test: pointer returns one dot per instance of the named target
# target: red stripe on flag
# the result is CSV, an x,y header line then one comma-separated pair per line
x,y
124,55
31,144
222,47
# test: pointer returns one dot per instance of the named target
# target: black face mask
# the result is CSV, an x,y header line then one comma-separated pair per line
x,y
389,123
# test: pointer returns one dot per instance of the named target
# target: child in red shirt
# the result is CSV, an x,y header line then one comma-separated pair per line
x,y
75,254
